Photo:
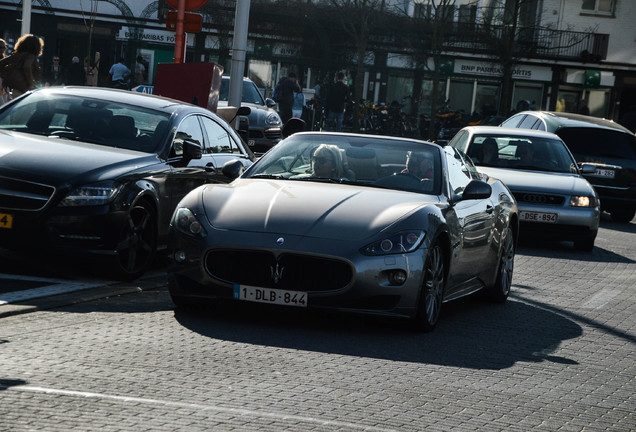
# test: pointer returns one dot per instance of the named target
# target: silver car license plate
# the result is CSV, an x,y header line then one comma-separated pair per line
x,y
270,295
531,216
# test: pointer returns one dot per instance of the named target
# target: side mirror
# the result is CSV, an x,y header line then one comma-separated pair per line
x,y
233,169
192,149
271,103
292,126
476,189
587,168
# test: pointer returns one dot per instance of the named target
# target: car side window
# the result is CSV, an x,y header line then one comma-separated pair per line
x,y
513,121
528,122
219,139
190,128
459,175
460,141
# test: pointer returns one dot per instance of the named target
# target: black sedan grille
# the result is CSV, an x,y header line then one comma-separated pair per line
x,y
23,195
290,271
533,198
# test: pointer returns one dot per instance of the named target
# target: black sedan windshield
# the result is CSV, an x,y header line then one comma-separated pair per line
x,y
88,120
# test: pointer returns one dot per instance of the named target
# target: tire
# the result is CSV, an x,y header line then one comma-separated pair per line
x,y
136,245
501,289
585,244
432,294
623,214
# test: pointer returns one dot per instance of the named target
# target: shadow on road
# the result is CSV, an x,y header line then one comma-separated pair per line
x,y
471,334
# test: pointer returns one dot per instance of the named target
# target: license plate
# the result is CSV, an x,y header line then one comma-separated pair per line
x,y
251,143
6,220
270,295
539,217
606,173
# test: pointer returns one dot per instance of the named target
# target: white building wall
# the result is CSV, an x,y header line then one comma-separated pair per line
x,y
568,15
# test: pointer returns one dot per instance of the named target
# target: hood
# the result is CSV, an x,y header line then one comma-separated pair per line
x,y
55,161
304,208
540,181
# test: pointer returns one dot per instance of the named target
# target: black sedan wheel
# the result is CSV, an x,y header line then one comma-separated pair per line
x,y
623,214
432,290
500,291
137,244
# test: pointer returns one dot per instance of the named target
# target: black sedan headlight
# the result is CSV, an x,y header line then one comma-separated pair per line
x,y
398,243
91,195
187,223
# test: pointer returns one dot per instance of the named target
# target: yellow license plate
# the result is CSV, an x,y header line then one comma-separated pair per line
x,y
6,220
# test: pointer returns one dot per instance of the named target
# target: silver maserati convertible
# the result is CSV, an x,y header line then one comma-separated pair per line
x,y
357,223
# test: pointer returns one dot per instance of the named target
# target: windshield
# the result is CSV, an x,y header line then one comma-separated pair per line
x,y
391,163
251,94
522,152
88,120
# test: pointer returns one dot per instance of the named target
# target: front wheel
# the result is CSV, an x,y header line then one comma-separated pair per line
x,y
137,243
430,303
623,214
501,289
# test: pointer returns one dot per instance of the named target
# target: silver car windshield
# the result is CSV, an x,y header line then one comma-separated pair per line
x,y
368,161
87,120
522,152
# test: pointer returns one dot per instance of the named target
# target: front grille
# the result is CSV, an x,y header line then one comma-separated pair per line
x,y
539,198
23,195
273,133
295,271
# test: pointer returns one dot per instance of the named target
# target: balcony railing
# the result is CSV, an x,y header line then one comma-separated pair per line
x,y
532,42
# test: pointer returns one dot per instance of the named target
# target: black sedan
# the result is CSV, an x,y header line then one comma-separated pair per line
x,y
348,222
100,171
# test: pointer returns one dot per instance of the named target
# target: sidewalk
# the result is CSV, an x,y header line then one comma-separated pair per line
x,y
77,292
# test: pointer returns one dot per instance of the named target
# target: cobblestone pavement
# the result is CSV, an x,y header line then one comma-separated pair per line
x,y
558,356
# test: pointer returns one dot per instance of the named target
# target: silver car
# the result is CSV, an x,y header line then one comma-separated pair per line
x,y
359,223
554,199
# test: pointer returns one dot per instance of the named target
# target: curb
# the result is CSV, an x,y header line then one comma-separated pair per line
x,y
81,296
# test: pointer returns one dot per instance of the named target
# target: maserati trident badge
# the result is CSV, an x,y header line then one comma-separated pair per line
x,y
280,241
277,273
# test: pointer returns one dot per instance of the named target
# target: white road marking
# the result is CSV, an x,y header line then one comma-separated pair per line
x,y
239,411
601,298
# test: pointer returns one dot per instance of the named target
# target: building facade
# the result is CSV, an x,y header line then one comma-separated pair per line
x,y
580,52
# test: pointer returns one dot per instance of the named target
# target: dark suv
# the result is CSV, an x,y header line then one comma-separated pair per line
x,y
605,144
264,122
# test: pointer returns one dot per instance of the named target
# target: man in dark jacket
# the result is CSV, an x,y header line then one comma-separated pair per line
x,y
288,86
75,74
337,96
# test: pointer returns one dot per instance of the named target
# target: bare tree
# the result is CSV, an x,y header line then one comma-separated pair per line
x,y
359,19
89,22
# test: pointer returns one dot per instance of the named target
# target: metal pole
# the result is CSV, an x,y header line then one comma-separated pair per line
x,y
179,49
26,17
239,48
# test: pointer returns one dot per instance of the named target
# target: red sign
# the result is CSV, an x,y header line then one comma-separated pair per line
x,y
190,5
191,22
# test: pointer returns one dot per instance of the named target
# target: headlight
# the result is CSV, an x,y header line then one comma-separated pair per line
x,y
187,223
273,119
582,201
402,242
91,195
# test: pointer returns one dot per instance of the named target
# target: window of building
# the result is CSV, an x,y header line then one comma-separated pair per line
x,y
598,6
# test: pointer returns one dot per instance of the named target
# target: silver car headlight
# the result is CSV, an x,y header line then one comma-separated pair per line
x,y
582,201
91,195
398,243
187,223
273,119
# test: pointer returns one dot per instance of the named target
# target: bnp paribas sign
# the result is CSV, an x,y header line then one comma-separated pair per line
x,y
149,35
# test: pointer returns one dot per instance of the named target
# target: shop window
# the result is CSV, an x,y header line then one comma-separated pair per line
x,y
487,99
461,95
527,97
400,89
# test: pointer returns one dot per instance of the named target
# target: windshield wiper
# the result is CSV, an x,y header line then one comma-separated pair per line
x,y
267,176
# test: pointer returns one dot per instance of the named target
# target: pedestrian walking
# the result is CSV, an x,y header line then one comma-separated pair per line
x,y
76,74
3,93
21,72
140,71
54,73
286,89
337,97
118,74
